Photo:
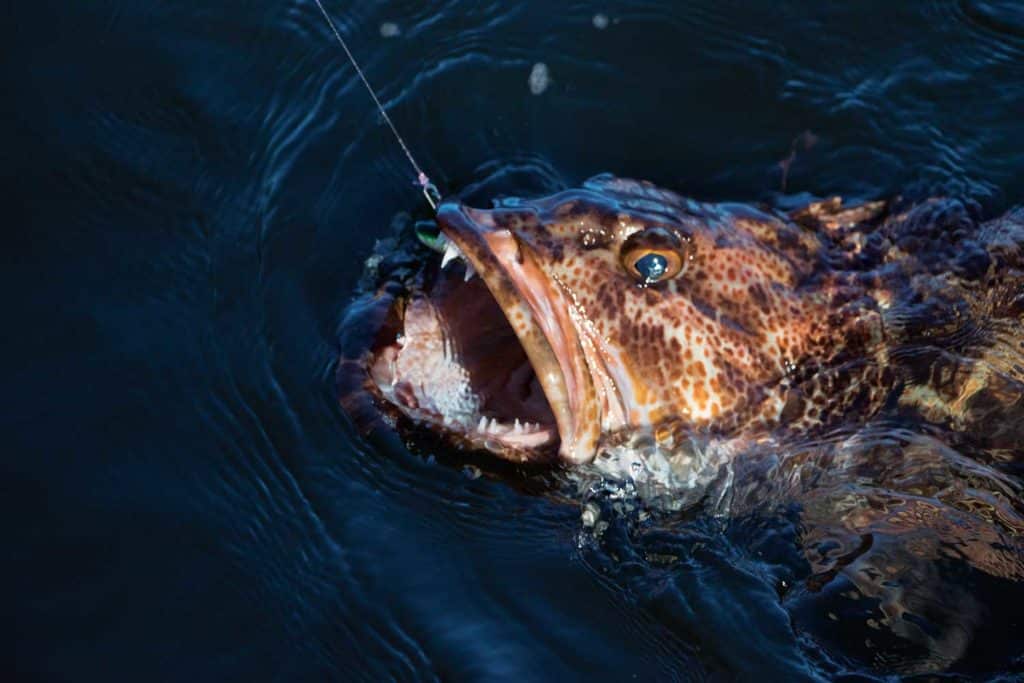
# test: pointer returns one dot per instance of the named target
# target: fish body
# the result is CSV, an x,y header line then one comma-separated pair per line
x,y
556,328
862,365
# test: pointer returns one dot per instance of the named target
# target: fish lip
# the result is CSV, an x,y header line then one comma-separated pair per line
x,y
474,232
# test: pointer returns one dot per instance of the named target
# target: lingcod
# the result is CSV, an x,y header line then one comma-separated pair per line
x,y
861,362
548,330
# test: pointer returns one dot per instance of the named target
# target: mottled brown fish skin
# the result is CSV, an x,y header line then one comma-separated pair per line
x,y
753,303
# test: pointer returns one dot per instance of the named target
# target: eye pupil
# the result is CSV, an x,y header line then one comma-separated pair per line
x,y
651,267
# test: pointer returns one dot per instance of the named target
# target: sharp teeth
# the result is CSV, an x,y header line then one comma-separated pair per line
x,y
470,271
482,425
450,252
517,427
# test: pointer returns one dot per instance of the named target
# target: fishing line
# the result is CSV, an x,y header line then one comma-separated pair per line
x,y
429,189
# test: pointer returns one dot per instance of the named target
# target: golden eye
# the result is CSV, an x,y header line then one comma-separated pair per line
x,y
654,255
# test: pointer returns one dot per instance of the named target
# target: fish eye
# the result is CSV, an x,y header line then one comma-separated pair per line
x,y
654,255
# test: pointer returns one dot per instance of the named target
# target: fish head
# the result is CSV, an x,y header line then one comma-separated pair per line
x,y
554,323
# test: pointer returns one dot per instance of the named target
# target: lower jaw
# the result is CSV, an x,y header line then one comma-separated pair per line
x,y
512,440
534,444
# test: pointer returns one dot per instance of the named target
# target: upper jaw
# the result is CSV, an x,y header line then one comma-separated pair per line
x,y
538,312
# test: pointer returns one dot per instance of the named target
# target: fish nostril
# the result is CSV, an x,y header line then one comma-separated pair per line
x,y
594,239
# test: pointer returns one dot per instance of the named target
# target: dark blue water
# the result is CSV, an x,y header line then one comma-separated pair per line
x,y
191,192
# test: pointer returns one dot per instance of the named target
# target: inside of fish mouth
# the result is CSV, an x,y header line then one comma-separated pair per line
x,y
455,362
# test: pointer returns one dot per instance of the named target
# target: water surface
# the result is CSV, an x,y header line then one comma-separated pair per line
x,y
194,189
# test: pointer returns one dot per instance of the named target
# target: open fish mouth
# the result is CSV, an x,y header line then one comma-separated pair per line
x,y
485,351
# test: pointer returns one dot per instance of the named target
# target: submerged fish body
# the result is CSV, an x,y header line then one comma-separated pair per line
x,y
554,329
863,365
